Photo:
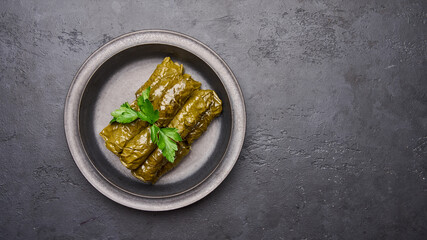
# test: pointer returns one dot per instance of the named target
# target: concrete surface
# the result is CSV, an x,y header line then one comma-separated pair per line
x,y
336,96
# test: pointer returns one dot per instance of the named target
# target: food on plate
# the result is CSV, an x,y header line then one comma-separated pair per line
x,y
153,133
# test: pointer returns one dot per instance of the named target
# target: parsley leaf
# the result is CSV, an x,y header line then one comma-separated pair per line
x,y
172,133
146,93
154,133
125,114
147,112
167,144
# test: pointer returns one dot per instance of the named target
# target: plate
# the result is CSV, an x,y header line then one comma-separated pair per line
x,y
109,77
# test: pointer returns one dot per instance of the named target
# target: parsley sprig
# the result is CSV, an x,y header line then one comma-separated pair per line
x,y
165,138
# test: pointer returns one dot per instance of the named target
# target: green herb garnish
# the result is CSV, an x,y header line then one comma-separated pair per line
x,y
165,138
125,114
147,112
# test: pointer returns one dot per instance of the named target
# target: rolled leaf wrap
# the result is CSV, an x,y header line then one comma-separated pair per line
x,y
201,127
141,146
192,111
167,68
208,116
191,120
116,135
175,95
183,150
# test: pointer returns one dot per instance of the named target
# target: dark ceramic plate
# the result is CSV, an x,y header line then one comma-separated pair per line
x,y
109,77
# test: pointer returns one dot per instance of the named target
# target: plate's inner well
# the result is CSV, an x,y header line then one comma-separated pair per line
x,y
114,83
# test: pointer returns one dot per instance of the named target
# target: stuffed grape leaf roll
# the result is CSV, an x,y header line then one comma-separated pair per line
x,y
183,150
206,119
167,68
200,127
143,174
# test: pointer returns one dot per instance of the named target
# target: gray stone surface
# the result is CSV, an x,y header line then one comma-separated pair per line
x,y
336,96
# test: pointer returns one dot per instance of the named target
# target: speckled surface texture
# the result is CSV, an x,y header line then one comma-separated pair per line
x,y
336,97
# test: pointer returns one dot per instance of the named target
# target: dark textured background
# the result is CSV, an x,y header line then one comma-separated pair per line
x,y
336,96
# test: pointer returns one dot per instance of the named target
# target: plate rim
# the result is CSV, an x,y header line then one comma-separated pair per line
x,y
143,37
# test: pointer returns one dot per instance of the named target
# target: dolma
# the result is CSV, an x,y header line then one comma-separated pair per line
x,y
183,150
167,68
201,127
139,147
116,135
208,116
197,113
